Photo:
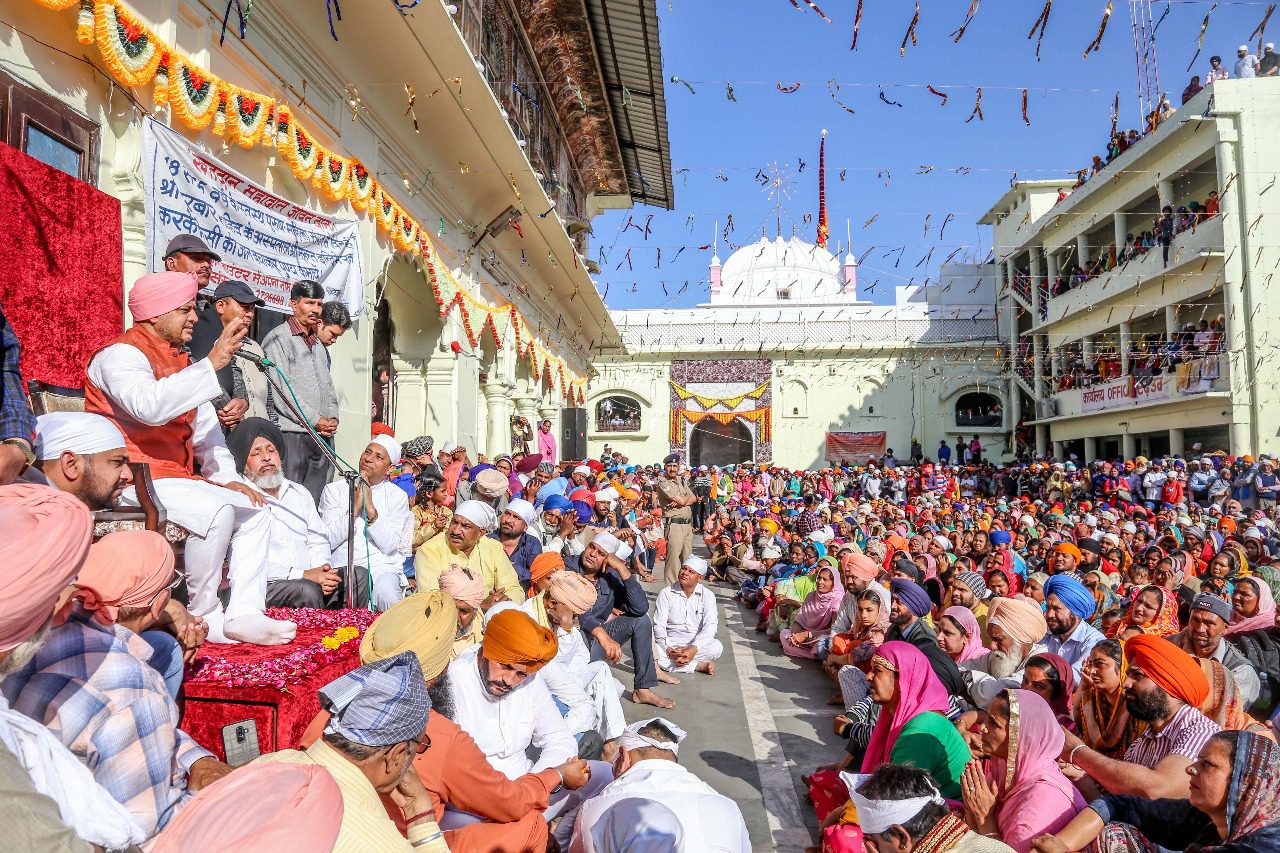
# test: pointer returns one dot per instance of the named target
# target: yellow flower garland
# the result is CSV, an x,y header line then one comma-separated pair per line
x,y
195,96
113,29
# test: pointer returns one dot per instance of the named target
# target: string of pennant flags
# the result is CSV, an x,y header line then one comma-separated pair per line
x,y
136,57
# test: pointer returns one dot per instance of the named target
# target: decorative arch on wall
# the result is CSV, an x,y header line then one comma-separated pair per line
x,y
617,412
976,406
795,398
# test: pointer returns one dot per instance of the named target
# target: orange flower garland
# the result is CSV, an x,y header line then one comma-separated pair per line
x,y
129,49
247,117
195,96
332,175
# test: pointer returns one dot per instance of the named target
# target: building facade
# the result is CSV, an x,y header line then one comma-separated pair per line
x,y
470,142
789,364
1167,347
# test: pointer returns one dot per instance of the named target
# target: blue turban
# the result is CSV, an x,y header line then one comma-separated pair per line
x,y
1000,537
379,704
557,502
477,469
1073,594
912,595
558,486
584,511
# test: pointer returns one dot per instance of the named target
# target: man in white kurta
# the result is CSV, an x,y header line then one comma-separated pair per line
x,y
146,384
655,804
684,622
383,531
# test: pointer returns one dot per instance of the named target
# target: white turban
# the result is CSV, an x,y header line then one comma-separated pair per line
x,y
522,508
624,551
632,739
449,447
609,494
582,469
607,542
696,564
80,432
771,552
388,444
478,513
876,816
943,541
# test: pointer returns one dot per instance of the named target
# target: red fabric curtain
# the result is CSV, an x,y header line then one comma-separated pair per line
x,y
61,267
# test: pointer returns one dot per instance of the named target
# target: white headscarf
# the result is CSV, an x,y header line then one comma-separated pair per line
x,y
875,816
478,513
388,444
80,432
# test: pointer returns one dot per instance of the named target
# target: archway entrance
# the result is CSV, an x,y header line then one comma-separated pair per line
x,y
714,443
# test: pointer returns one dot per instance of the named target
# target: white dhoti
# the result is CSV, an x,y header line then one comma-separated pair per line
x,y
709,652
606,692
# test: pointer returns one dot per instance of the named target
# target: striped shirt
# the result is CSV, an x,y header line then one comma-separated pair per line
x,y
92,685
1185,735
365,824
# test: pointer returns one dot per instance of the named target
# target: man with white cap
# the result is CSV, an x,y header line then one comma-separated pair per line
x,y
684,622
900,810
146,384
618,589
580,475
1246,63
85,455
655,804
466,544
1269,65
519,545
383,528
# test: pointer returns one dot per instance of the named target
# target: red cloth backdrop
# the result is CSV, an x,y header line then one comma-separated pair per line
x,y
61,267
855,447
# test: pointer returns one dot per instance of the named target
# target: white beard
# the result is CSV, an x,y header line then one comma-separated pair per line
x,y
267,481
1004,664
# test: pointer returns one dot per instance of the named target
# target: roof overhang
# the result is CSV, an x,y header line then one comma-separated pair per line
x,y
1006,201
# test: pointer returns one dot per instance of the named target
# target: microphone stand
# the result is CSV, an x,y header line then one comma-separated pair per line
x,y
351,475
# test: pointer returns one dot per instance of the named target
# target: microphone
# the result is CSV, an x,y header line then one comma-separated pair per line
x,y
261,360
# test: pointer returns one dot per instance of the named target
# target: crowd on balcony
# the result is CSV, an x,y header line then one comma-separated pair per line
x,y
1151,355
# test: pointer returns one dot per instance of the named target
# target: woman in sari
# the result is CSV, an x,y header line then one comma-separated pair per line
x,y
1233,806
1020,794
1102,718
1252,606
814,617
959,634
1003,583
1154,610
1223,704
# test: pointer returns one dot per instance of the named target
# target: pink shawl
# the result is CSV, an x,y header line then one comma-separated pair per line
x,y
819,609
1035,798
973,647
1266,615
919,690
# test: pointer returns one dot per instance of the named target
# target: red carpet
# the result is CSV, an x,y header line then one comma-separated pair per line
x,y
273,685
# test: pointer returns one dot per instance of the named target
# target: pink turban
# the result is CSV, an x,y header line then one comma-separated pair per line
x,y
127,568
159,293
573,590
44,537
1021,619
262,806
463,585
861,565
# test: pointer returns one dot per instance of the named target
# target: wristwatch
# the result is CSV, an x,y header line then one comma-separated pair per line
x,y
25,446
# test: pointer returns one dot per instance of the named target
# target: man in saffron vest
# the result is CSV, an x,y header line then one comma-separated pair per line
x,y
145,382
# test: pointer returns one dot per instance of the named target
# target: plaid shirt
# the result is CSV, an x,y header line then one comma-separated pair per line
x,y
808,522
308,336
92,685
16,419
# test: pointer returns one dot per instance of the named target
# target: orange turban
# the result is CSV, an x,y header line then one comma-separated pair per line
x,y
861,565
1229,523
1069,548
895,541
544,564
464,585
1177,673
1020,618
512,637
128,568
44,537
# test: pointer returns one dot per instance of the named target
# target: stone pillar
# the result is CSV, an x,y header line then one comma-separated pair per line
x,y
1036,274
1086,349
1037,348
1238,352
1042,440
1126,345
1090,449
410,397
441,413
1170,320
1122,231
1128,446
1165,188
1082,249
1177,441
1058,452
498,418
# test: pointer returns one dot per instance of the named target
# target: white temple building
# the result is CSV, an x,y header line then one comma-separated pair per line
x,y
791,363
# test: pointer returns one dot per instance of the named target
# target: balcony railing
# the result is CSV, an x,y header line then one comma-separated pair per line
x,y
1189,379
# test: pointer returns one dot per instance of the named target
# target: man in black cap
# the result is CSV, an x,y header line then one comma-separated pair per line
x,y
188,253
246,392
676,500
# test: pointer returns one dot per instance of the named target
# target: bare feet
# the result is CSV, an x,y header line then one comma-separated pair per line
x,y
707,667
666,677
610,750
645,696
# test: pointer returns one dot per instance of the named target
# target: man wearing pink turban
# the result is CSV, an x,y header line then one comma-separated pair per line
x,y
145,383
93,686
467,590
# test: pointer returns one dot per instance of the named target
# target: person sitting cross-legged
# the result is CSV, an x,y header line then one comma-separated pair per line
x,y
684,622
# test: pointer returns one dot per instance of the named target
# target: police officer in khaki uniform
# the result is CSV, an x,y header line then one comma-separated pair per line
x,y
675,499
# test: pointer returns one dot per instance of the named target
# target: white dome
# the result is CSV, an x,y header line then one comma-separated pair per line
x,y
779,271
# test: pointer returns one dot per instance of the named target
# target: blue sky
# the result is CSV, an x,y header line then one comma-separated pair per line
x,y
885,151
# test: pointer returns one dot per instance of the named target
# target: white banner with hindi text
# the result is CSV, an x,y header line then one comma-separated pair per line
x,y
265,241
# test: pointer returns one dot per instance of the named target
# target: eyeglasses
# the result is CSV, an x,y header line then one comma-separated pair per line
x,y
178,578
421,746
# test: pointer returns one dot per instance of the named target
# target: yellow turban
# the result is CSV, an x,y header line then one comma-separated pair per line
x,y
425,623
512,637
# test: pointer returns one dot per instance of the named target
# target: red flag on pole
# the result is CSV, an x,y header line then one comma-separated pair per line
x,y
823,229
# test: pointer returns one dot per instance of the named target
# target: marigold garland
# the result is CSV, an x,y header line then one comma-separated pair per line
x,y
135,56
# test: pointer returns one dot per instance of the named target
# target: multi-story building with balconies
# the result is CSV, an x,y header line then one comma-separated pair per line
x,y
1127,344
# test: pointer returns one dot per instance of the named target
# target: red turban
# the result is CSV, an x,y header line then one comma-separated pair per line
x,y
512,637
44,537
1177,673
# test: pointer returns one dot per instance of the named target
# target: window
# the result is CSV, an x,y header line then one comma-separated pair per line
x,y
795,399
617,414
978,409
784,293
43,127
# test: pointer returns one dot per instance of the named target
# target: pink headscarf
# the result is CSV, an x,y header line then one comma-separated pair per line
x,y
1035,798
44,537
262,806
820,608
1266,615
930,565
968,623
127,568
161,292
463,585
919,690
